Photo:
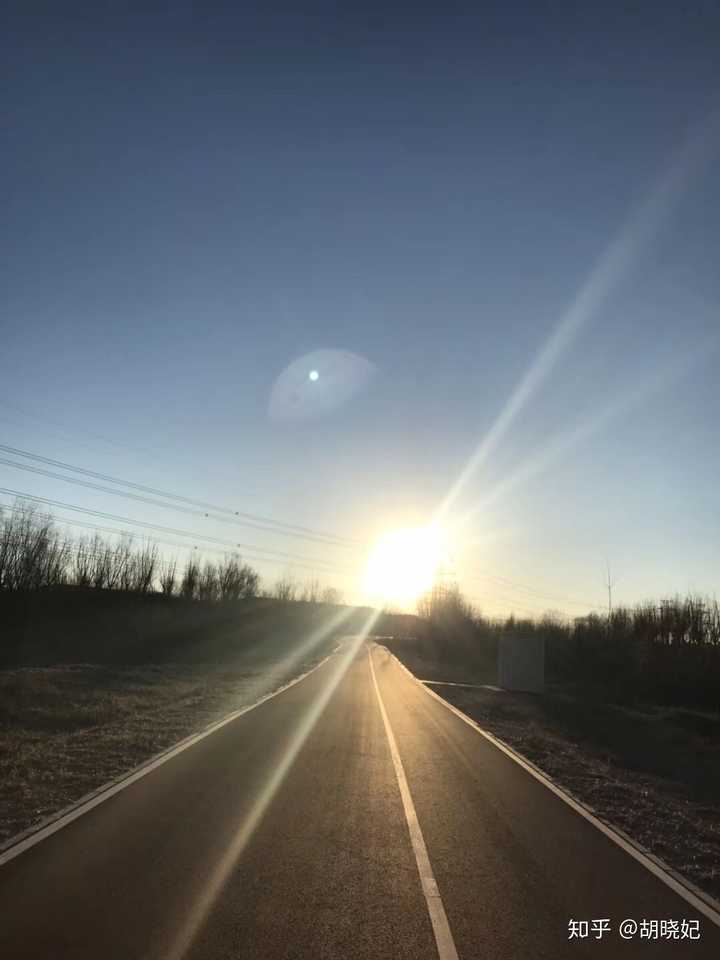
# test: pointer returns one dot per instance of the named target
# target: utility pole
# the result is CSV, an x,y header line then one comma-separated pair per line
x,y
610,583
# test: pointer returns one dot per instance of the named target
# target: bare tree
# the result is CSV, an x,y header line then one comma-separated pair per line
x,y
249,582
125,559
190,578
82,564
112,567
285,589
168,578
4,548
331,596
33,554
100,562
228,575
208,584
145,563
57,559
311,591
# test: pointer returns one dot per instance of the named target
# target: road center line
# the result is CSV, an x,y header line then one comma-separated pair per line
x,y
438,918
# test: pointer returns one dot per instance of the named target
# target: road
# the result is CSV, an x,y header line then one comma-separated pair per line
x,y
296,830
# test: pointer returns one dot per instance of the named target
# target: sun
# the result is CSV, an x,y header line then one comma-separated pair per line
x,y
403,565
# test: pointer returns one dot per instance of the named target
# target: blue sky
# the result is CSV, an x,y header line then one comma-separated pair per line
x,y
196,199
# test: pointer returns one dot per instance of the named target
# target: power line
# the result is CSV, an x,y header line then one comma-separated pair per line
x,y
202,550
521,603
28,468
512,609
81,549
511,605
530,590
274,554
237,516
72,431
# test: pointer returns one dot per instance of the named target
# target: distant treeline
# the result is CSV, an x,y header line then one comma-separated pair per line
x,y
666,652
36,555
67,599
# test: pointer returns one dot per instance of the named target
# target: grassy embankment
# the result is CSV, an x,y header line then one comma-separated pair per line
x,y
93,682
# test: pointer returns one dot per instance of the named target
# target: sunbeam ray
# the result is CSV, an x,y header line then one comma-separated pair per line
x,y
221,871
276,673
603,279
554,450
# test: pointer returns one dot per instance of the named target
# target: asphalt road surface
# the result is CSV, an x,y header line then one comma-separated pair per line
x,y
351,816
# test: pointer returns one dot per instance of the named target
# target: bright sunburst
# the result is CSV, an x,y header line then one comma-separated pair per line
x,y
403,564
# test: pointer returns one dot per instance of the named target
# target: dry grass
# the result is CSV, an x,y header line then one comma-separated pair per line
x,y
66,730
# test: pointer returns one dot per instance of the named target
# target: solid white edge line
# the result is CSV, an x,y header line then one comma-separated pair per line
x,y
438,918
698,899
24,841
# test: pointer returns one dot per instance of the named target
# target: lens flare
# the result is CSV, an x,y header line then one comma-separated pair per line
x,y
300,392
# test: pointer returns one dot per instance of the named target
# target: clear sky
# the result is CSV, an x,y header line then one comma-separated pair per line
x,y
502,223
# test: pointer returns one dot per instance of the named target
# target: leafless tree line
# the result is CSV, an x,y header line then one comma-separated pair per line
x,y
32,552
667,651
312,591
675,621
228,579
445,602
35,555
